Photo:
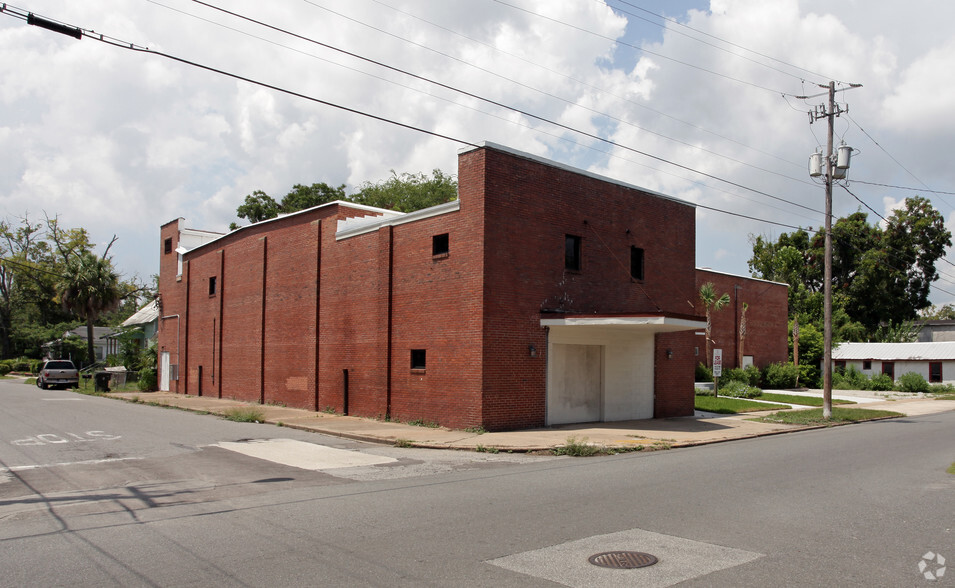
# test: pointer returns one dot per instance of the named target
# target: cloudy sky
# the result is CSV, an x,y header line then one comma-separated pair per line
x,y
120,141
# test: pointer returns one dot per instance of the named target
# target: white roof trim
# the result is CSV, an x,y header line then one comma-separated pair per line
x,y
376,223
575,170
713,271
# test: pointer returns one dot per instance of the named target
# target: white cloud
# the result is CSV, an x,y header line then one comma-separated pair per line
x,y
120,142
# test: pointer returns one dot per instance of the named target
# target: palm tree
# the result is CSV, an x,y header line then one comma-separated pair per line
x,y
90,288
711,303
742,334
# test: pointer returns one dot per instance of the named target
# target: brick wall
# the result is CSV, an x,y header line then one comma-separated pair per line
x,y
529,209
297,313
766,318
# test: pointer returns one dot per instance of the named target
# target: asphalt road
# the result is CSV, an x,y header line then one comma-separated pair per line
x,y
96,492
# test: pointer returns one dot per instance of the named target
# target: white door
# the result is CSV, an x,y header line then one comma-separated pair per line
x,y
164,371
574,393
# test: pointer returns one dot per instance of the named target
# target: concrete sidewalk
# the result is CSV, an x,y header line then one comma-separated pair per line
x,y
673,432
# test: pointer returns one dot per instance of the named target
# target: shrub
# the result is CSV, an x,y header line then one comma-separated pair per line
x,y
754,374
703,373
942,388
735,375
737,389
780,375
703,391
849,378
881,383
809,376
912,382
5,368
147,380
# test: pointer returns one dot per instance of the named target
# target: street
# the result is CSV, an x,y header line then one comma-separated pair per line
x,y
97,492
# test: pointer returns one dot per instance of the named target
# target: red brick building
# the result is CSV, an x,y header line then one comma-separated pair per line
x,y
766,310
543,295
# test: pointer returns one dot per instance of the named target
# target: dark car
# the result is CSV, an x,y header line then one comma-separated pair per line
x,y
58,372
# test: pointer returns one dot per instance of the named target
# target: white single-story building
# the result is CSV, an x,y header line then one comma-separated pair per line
x,y
935,361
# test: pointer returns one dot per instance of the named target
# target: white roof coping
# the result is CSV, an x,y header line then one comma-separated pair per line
x,y
575,170
922,351
377,222
713,271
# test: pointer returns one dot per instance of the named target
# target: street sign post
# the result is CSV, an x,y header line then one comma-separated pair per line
x,y
717,370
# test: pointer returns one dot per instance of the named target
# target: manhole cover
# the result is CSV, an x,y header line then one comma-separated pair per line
x,y
625,560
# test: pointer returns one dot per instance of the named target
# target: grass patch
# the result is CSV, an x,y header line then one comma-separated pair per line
x,y
478,430
945,397
951,469
803,400
245,414
483,449
723,405
403,443
813,416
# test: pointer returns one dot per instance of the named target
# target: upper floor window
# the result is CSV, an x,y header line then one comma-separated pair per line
x,y
636,263
212,286
419,359
167,245
572,252
440,244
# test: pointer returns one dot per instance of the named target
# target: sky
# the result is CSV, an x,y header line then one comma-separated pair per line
x,y
698,100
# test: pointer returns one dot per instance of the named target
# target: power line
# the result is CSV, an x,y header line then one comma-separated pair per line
x,y
738,46
643,50
499,104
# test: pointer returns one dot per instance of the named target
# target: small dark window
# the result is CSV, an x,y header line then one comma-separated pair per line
x,y
418,359
840,366
572,252
636,263
935,372
867,364
440,244
212,286
167,245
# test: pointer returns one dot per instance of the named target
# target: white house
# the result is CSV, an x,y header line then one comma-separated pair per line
x,y
935,361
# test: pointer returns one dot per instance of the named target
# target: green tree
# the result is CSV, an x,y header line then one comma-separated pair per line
x,y
408,192
302,197
711,303
258,206
880,276
90,288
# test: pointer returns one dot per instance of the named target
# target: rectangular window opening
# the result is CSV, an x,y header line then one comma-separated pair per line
x,y
440,244
867,365
935,372
572,252
167,245
636,263
418,359
212,286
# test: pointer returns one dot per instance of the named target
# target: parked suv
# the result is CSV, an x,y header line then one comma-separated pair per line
x,y
58,372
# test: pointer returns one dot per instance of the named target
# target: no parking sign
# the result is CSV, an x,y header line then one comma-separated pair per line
x,y
717,363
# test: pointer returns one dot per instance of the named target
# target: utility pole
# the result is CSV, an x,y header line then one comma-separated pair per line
x,y
834,170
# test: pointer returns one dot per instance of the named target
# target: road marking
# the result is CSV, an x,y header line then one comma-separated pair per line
x,y
306,456
7,470
54,439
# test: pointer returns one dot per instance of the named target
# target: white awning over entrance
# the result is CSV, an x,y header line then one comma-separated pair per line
x,y
602,368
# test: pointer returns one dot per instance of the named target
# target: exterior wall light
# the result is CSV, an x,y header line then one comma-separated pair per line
x,y
669,354
532,350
